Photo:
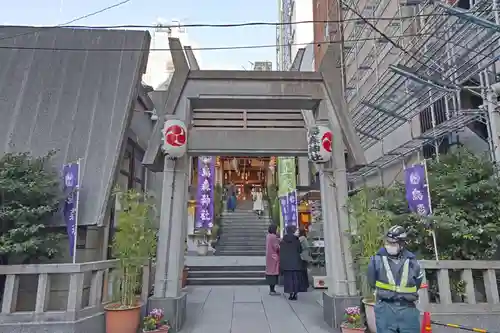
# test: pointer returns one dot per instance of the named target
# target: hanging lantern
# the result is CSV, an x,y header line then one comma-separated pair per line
x,y
319,144
272,163
174,138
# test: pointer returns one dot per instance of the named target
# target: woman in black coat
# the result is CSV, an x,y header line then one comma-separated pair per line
x,y
291,265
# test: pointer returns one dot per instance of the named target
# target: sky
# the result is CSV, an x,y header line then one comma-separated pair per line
x,y
147,12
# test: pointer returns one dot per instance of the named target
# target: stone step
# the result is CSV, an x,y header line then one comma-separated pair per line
x,y
241,238
245,218
240,221
240,231
229,241
248,227
243,247
240,253
240,216
226,281
226,274
236,222
227,268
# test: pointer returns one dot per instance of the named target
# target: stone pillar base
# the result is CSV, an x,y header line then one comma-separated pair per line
x,y
173,307
334,307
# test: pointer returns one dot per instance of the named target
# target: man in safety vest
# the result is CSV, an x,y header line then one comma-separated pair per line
x,y
395,274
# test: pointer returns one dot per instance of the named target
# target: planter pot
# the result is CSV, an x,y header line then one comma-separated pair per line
x,y
352,330
122,320
163,329
185,272
202,249
370,315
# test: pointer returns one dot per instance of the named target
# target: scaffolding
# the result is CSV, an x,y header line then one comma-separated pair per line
x,y
447,50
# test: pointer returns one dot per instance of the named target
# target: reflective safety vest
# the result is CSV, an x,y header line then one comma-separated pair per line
x,y
391,285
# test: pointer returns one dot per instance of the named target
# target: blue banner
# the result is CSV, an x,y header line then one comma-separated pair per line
x,y
417,193
292,204
288,204
70,210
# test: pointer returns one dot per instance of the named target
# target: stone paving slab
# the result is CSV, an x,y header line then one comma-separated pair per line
x,y
225,261
249,309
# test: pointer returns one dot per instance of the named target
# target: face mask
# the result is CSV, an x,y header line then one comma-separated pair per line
x,y
296,233
392,249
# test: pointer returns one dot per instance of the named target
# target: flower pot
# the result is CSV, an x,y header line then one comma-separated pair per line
x,y
163,329
202,249
122,319
185,273
352,330
370,315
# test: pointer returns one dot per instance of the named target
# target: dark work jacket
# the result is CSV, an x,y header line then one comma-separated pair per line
x,y
377,272
290,254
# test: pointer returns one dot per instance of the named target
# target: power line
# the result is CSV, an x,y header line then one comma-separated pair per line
x,y
235,25
38,29
14,47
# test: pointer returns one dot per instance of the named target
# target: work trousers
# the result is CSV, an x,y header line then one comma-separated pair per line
x,y
396,318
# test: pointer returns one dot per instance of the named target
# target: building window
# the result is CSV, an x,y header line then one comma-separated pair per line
x,y
132,172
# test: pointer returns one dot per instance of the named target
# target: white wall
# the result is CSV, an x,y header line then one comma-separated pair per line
x,y
304,33
160,65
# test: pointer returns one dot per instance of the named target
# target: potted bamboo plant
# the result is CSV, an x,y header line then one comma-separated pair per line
x,y
134,242
366,239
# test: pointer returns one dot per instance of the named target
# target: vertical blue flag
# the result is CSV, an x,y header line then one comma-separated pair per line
x,y
417,193
70,180
292,208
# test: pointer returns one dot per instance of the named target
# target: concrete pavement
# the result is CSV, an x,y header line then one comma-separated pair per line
x,y
249,309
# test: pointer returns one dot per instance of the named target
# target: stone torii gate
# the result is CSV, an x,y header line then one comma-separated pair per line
x,y
316,95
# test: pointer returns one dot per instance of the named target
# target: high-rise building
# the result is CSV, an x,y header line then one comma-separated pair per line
x,y
295,31
160,65
401,111
284,35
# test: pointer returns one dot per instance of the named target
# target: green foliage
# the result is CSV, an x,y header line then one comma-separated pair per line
x,y
367,238
218,204
134,242
465,194
30,195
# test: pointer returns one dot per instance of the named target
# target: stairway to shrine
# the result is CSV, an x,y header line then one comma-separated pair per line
x,y
243,234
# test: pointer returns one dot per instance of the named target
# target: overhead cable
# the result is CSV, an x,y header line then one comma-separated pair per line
x,y
215,48
38,29
221,25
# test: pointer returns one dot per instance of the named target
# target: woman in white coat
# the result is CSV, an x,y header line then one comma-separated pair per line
x,y
258,204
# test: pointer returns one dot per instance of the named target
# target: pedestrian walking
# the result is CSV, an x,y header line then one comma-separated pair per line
x,y
258,202
396,276
272,259
305,255
231,200
291,263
